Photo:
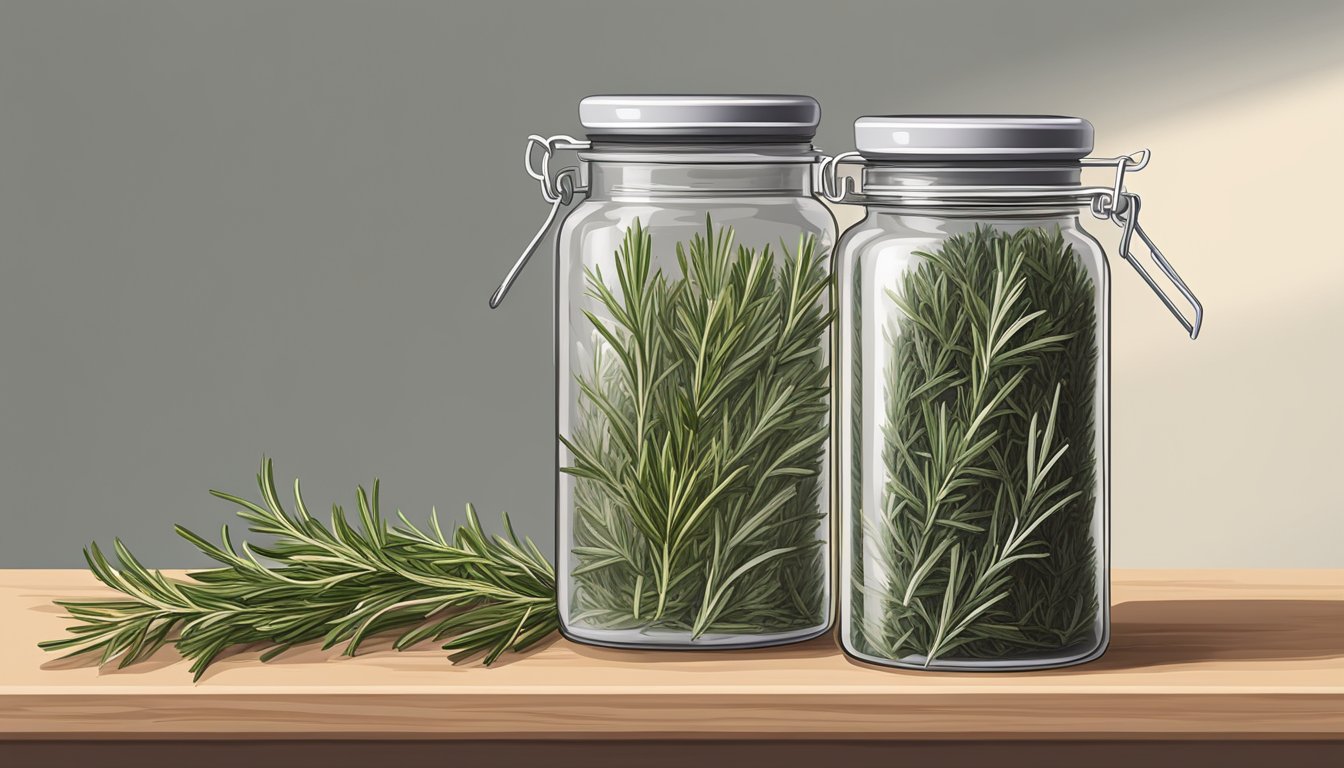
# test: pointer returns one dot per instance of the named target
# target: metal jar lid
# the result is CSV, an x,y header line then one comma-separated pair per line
x,y
700,117
973,138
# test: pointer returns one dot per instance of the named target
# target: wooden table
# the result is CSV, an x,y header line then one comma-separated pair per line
x,y
1239,666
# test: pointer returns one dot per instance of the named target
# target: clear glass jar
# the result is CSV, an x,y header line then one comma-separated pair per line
x,y
693,379
973,395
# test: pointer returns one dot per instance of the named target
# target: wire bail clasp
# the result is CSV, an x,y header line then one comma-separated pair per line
x,y
558,190
1122,208
832,186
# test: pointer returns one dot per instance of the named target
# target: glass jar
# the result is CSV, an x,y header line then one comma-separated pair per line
x,y
973,395
693,372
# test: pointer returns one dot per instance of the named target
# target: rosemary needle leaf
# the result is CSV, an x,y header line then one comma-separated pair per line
x,y
478,595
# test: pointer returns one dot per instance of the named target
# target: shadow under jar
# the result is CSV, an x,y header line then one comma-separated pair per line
x,y
693,374
973,397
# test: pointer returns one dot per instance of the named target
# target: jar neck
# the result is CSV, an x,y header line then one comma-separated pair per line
x,y
614,171
975,189
882,176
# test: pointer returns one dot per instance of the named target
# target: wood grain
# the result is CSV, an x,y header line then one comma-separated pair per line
x,y
1251,655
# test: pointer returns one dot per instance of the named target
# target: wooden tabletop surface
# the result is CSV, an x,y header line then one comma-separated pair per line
x,y
1194,655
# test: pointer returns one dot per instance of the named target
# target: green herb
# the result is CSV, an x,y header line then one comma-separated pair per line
x,y
338,583
699,465
699,452
984,542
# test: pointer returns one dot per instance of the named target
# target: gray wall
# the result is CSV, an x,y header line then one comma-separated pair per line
x,y
237,227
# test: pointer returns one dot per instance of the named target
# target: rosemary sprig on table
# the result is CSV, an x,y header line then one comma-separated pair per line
x,y
338,583
699,469
984,544
699,450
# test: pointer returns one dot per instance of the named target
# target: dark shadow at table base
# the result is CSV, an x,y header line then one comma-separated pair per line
x,y
672,754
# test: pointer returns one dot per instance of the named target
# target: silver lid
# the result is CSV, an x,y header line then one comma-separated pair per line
x,y
688,118
973,137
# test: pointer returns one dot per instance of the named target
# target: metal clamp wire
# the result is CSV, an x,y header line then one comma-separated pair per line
x,y
558,190
549,145
1127,218
565,180
832,186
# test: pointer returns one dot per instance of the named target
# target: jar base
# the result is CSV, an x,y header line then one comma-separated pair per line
x,y
643,639
1063,657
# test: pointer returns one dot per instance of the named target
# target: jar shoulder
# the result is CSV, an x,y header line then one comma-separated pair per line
x,y
902,239
756,221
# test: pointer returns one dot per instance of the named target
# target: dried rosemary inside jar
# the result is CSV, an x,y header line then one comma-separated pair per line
x,y
699,451
984,540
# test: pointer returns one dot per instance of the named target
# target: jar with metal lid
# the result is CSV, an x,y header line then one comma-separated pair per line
x,y
692,371
973,389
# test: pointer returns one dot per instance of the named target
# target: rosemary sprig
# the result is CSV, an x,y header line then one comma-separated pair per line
x,y
700,445
983,545
339,583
